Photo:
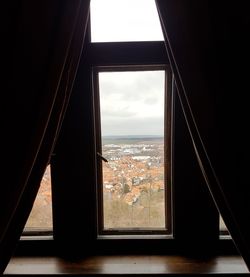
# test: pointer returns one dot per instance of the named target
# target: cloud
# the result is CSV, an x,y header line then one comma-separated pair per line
x,y
132,102
115,112
151,101
146,126
124,20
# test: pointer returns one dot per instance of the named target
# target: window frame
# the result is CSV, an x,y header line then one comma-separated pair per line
x,y
185,238
167,151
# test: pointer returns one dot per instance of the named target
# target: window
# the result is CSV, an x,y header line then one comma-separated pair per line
x,y
134,185
86,191
124,20
133,191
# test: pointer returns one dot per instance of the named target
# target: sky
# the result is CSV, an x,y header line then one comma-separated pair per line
x,y
132,103
124,20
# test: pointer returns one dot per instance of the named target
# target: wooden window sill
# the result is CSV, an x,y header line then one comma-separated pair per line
x,y
127,265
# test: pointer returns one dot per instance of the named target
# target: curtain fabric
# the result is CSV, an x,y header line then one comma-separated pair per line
x,y
208,48
42,44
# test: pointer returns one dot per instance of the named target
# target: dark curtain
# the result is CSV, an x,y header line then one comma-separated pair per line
x,y
41,44
208,48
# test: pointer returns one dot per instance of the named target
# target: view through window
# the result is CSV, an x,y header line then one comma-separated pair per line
x,y
40,218
223,227
132,112
124,20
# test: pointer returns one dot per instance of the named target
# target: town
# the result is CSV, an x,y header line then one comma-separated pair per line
x,y
133,183
133,187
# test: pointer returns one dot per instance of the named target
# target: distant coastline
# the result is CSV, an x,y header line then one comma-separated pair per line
x,y
127,139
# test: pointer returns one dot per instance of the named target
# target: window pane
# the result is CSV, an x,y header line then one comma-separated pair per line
x,y
41,215
132,123
223,227
124,20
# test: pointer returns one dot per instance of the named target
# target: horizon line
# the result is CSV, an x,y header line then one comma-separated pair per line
x,y
132,135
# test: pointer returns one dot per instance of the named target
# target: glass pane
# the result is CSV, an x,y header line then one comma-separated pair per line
x,y
132,123
124,20
223,227
41,215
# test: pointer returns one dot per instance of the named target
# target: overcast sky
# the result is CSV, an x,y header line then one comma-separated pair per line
x,y
131,102
124,20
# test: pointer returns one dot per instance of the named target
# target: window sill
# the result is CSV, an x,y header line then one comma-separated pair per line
x,y
127,265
